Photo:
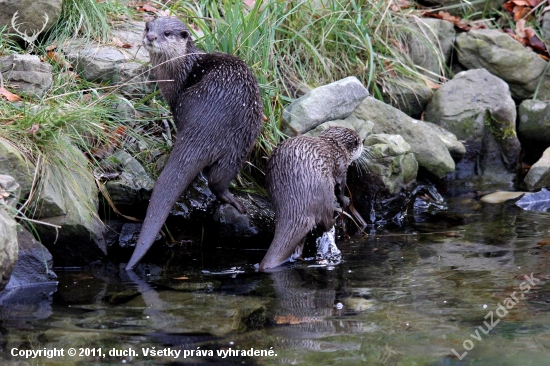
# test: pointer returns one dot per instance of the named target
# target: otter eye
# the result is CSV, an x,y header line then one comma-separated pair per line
x,y
184,34
167,33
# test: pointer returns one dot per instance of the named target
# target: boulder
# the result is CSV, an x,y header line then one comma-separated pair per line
x,y
539,174
428,149
8,247
15,164
379,188
455,147
534,121
477,107
132,186
506,58
26,74
408,96
34,265
462,7
80,239
363,128
325,103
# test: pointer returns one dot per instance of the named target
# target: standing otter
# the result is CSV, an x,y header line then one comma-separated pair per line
x,y
302,174
216,104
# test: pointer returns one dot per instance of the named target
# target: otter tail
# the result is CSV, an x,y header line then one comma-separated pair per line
x,y
287,236
174,179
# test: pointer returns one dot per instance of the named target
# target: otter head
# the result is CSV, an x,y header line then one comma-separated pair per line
x,y
348,138
167,38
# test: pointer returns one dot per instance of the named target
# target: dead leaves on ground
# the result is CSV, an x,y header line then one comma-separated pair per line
x,y
520,9
9,96
456,20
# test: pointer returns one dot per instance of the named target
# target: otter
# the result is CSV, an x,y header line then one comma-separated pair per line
x,y
302,176
216,105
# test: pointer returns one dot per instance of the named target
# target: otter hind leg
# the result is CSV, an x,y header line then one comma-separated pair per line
x,y
219,177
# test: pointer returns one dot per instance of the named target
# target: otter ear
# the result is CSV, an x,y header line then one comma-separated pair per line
x,y
184,34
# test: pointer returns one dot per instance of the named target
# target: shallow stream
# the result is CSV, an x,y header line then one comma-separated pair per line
x,y
428,295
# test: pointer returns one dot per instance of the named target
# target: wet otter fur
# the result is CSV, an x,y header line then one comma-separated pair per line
x,y
215,101
302,175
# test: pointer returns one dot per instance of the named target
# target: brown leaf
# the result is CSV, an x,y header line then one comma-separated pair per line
x,y
249,3
520,12
181,278
533,3
164,13
9,95
148,7
51,47
534,41
520,28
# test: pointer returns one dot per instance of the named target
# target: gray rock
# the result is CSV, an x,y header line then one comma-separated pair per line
x,y
546,26
9,185
15,164
392,169
51,199
30,14
325,103
124,66
539,174
363,128
428,149
8,247
259,221
34,265
133,185
506,58
534,121
409,96
455,147
26,74
80,239
431,48
478,108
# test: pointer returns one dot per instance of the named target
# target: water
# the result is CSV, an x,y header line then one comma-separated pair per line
x,y
399,297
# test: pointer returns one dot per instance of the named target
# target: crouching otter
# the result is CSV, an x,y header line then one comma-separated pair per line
x,y
302,174
215,101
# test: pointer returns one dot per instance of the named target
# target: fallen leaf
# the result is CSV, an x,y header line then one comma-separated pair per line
x,y
34,128
148,7
164,13
181,278
249,3
9,95
118,43
534,41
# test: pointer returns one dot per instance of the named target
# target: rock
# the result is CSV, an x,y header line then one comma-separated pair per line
x,y
455,147
546,27
478,108
539,174
408,96
26,74
10,186
34,265
505,58
30,14
428,149
363,128
500,197
22,304
431,48
124,66
325,103
8,247
257,223
51,200
133,185
80,239
392,169
15,164
534,121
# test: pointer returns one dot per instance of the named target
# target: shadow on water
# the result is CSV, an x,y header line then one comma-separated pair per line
x,y
468,286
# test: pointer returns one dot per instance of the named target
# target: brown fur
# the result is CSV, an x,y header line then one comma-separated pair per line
x,y
302,174
216,104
